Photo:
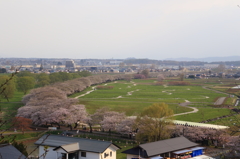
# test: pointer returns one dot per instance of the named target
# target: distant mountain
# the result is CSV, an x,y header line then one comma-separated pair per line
x,y
207,59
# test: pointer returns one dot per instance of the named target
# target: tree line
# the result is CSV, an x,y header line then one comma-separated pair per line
x,y
24,81
50,104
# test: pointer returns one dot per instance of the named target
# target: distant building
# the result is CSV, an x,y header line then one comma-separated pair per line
x,y
115,62
70,64
41,67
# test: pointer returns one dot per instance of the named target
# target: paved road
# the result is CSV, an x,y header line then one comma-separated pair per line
x,y
220,101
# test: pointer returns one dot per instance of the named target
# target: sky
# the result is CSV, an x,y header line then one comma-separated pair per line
x,y
119,29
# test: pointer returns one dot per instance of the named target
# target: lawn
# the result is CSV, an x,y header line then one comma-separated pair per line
x,y
9,109
203,114
132,97
121,155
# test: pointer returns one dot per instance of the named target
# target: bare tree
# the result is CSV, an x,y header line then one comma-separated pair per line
x,y
152,123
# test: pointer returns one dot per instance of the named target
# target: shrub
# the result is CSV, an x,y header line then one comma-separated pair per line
x,y
139,76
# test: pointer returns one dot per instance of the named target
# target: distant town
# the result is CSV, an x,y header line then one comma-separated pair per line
x,y
123,106
130,65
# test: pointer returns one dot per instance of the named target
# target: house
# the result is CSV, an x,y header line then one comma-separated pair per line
x,y
9,151
179,147
63,147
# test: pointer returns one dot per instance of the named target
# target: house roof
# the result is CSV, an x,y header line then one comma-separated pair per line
x,y
9,151
163,146
136,151
69,147
84,144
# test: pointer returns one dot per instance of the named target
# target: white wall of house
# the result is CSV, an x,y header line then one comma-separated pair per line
x,y
110,150
50,154
90,155
59,152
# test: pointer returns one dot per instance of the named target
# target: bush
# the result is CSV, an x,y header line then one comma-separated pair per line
x,y
139,76
178,83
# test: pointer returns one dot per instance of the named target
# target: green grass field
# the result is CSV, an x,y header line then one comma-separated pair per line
x,y
203,114
9,109
132,97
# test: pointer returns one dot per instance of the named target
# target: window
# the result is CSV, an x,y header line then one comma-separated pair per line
x,y
63,156
83,154
110,153
105,155
73,155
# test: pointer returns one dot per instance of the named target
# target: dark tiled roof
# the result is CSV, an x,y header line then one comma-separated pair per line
x,y
10,152
163,146
136,151
84,144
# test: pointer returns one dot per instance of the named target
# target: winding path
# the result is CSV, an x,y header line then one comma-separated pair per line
x,y
93,89
185,104
218,102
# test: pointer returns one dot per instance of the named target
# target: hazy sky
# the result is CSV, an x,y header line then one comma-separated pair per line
x,y
154,29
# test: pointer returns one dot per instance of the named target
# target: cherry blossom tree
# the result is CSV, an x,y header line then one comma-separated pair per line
x,y
139,76
108,120
50,104
40,94
160,77
111,120
125,126
206,136
56,111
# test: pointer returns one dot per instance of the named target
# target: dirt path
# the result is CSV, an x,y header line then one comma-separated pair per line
x,y
185,104
93,89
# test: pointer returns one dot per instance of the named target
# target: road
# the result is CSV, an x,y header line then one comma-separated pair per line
x,y
220,101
